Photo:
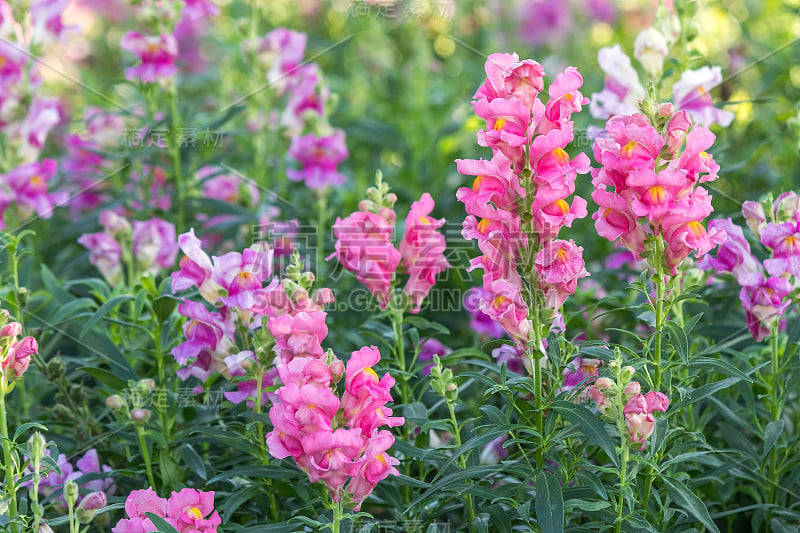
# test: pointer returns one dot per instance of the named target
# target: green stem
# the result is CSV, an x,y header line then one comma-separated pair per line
x,y
775,393
658,279
322,213
176,159
73,524
162,384
623,468
535,359
462,458
338,513
8,460
145,456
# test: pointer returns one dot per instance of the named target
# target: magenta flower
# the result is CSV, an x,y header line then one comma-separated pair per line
x,y
422,249
189,511
193,510
105,254
543,23
480,322
227,187
28,186
364,247
580,371
319,156
560,265
195,269
299,335
692,93
281,51
784,241
639,414
512,356
157,54
428,349
19,357
46,19
154,244
764,304
733,256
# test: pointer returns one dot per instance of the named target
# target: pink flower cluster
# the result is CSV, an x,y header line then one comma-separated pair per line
x,y
152,244
15,356
322,148
580,372
337,441
364,247
158,53
529,175
89,463
638,410
234,284
649,185
188,511
766,287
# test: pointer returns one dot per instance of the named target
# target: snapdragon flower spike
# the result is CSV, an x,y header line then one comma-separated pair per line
x,y
764,304
88,464
422,249
364,247
734,256
27,187
336,442
639,196
784,241
154,244
638,412
157,55
530,177
319,156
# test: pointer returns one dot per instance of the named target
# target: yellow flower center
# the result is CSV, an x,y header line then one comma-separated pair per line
x,y
499,300
499,123
561,156
483,225
477,183
562,255
37,181
656,194
627,150
425,220
194,512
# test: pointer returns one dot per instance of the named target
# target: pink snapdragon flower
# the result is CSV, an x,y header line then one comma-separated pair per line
x,y
157,54
784,241
281,52
46,20
319,156
638,414
580,371
18,357
692,93
422,249
154,244
543,22
764,304
639,196
105,254
733,256
28,189
195,269
337,442
480,322
299,335
519,125
560,265
364,247
188,511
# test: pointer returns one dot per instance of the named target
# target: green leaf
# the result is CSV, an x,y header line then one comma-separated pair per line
x,y
193,460
549,503
103,311
236,500
710,388
718,365
678,339
589,424
163,306
689,501
771,434
162,525
106,378
22,428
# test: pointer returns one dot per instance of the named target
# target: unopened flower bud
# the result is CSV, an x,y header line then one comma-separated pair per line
x,y
44,527
56,369
71,491
146,386
37,445
627,373
337,370
140,416
115,402
754,214
633,388
89,506
12,329
604,383
650,48
62,413
22,297
114,224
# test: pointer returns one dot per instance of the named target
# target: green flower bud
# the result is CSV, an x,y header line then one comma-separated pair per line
x,y
71,491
